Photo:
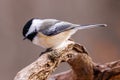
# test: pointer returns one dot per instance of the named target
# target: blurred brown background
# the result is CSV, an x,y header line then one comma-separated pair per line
x,y
103,44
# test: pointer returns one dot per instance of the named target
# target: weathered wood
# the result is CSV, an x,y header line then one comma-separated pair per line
x,y
82,66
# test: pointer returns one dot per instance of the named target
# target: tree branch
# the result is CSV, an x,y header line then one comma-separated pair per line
x,y
82,66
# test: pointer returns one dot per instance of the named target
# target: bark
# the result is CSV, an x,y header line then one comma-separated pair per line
x,y
82,66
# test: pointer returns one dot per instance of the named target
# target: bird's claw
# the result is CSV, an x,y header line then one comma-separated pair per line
x,y
47,50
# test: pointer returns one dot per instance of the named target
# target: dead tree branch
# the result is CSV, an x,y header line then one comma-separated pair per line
x,y
82,66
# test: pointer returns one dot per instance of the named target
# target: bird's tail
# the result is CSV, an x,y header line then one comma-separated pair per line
x,y
91,26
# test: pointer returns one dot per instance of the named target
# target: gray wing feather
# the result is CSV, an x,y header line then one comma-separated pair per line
x,y
53,27
57,28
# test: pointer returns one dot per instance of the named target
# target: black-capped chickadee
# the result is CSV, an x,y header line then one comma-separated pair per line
x,y
52,33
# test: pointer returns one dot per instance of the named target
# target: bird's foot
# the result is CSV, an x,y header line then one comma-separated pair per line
x,y
47,50
54,55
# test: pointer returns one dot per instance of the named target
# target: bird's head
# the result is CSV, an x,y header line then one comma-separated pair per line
x,y
31,28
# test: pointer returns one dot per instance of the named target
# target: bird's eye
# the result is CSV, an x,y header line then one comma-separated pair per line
x,y
35,30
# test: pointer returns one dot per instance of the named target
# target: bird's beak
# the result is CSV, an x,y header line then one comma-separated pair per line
x,y
25,38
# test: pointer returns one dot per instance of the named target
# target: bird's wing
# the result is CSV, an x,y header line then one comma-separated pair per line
x,y
57,28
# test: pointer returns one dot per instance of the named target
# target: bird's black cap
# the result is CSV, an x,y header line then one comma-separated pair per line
x,y
27,26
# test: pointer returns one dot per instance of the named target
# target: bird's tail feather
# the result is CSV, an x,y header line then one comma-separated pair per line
x,y
91,26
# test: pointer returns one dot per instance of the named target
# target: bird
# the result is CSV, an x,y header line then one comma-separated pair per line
x,y
52,33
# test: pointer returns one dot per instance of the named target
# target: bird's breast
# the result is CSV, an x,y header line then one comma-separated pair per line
x,y
52,41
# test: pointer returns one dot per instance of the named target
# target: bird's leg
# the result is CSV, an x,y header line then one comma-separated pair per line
x,y
54,54
70,39
47,50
